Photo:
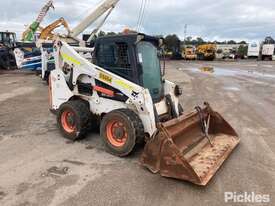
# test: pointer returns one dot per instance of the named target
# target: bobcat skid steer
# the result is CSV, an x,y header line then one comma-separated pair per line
x,y
119,83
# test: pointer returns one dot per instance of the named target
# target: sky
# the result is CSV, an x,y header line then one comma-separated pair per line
x,y
250,20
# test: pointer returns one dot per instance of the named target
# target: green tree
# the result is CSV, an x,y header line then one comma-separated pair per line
x,y
200,41
231,42
111,33
101,33
172,43
242,42
188,40
242,51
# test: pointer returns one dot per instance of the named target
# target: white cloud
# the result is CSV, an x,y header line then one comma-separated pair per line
x,y
211,19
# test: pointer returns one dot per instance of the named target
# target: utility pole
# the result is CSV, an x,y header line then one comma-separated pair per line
x,y
185,33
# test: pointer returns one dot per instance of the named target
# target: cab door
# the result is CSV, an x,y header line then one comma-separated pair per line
x,y
116,57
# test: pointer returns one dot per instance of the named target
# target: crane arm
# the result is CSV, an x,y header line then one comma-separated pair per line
x,y
28,35
44,11
96,30
98,12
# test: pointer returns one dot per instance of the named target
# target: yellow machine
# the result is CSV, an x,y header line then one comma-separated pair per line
x,y
189,53
168,54
206,52
47,33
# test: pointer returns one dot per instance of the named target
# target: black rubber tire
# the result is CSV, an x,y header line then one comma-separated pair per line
x,y
81,113
134,128
93,124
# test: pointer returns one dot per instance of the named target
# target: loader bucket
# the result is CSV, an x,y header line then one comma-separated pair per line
x,y
183,149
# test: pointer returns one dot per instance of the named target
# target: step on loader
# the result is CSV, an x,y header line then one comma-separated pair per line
x,y
120,85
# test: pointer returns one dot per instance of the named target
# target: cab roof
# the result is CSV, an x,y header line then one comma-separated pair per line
x,y
129,38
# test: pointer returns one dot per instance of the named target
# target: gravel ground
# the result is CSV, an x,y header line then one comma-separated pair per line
x,y
39,167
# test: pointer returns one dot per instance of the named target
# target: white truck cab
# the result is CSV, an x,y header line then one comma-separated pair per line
x,y
253,50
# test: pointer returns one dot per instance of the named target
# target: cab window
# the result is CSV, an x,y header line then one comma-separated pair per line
x,y
115,57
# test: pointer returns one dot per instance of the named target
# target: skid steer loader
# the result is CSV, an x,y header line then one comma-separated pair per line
x,y
120,84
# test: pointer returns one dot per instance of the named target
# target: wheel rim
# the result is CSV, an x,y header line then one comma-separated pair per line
x,y
68,121
116,133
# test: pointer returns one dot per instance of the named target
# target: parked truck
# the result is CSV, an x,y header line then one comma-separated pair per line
x,y
206,52
253,50
267,52
189,53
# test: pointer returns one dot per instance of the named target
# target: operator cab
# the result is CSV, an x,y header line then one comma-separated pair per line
x,y
134,57
7,44
7,39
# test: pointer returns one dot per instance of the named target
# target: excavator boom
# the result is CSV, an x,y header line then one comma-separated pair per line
x,y
47,33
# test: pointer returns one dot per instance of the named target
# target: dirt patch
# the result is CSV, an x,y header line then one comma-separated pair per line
x,y
244,102
23,187
89,147
15,93
14,72
2,195
27,203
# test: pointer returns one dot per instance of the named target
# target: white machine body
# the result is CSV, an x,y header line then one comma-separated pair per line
x,y
139,98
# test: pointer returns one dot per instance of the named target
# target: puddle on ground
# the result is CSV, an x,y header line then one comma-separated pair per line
x,y
229,72
268,66
235,89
